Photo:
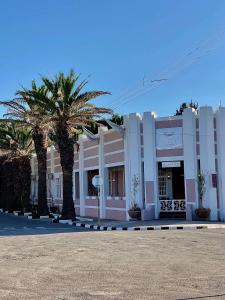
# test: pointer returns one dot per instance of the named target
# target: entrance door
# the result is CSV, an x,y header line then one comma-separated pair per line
x,y
171,190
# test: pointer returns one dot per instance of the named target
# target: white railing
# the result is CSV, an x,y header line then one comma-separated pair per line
x,y
177,205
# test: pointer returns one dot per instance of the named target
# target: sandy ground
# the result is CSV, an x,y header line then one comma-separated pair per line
x,y
114,265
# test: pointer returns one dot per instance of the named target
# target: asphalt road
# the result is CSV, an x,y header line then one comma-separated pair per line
x,y
13,225
170,265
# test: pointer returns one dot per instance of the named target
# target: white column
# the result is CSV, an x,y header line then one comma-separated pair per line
x,y
133,159
102,172
207,157
82,180
220,128
190,161
150,167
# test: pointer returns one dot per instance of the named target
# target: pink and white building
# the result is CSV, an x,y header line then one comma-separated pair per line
x,y
151,161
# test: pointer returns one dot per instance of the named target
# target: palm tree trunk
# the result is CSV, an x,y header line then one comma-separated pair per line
x,y
65,143
40,144
25,179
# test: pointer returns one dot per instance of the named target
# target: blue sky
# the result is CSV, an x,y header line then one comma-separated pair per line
x,y
121,46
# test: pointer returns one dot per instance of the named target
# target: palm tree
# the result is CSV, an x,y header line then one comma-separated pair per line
x,y
67,108
17,143
26,111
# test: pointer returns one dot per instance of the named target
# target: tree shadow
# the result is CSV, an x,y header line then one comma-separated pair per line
x,y
11,225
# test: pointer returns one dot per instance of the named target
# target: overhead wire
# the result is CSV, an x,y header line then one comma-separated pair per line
x,y
169,72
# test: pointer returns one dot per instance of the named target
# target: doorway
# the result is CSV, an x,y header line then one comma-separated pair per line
x,y
171,189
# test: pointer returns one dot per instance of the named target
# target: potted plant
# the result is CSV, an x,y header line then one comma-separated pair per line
x,y
134,211
202,212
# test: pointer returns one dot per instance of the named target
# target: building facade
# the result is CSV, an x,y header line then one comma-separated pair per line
x,y
151,161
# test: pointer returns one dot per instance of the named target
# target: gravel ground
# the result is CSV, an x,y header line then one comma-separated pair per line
x,y
114,265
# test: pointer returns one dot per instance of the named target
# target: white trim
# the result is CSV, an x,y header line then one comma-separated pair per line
x,y
90,206
110,131
91,157
116,208
169,158
115,152
91,147
168,118
113,141
121,163
92,168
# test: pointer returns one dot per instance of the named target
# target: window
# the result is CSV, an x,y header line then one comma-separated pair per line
x,y
77,185
92,191
162,178
116,181
58,187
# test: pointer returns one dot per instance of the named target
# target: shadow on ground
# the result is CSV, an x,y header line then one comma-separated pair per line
x,y
11,225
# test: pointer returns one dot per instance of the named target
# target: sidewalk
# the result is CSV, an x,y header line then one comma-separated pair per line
x,y
149,225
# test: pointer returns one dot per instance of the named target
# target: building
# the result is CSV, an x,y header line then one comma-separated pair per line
x,y
151,161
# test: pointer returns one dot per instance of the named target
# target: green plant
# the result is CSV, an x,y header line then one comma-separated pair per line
x,y
135,184
202,212
201,188
135,207
67,108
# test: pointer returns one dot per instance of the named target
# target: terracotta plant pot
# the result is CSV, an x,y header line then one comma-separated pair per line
x,y
203,213
135,214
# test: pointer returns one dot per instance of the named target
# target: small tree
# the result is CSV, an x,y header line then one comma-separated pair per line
x,y
135,184
184,105
201,188
202,212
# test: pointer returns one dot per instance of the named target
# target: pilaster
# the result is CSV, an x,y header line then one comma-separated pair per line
x,y
102,172
207,158
133,160
150,167
190,161
220,128
82,180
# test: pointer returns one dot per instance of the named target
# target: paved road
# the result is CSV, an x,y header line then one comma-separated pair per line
x,y
13,225
155,265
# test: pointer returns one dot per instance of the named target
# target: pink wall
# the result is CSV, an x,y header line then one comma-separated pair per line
x,y
149,186
114,147
57,161
91,202
116,203
77,210
76,156
169,123
113,158
58,169
91,162
115,214
113,135
169,152
91,152
89,143
190,190
76,201
76,165
91,212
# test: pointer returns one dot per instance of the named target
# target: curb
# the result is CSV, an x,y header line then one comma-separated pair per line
x,y
55,219
147,228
